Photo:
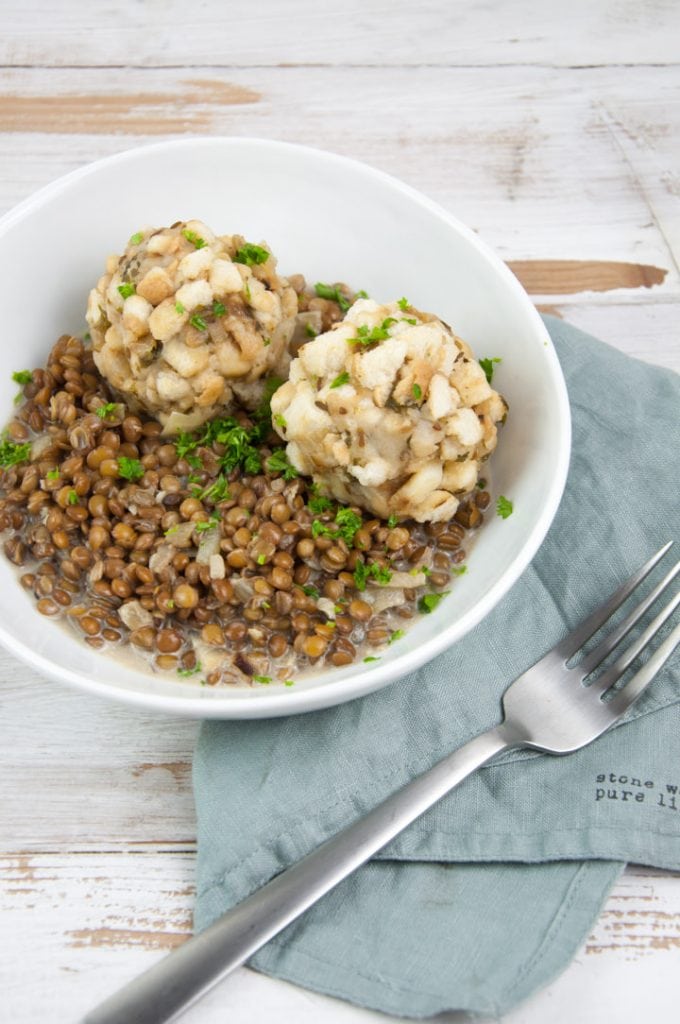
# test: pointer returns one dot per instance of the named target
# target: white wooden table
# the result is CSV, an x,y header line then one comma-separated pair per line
x,y
557,137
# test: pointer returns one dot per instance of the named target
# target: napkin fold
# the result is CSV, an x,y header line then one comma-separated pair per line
x,y
491,893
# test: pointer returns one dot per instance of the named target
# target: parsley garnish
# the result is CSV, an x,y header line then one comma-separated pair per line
x,y
364,572
392,522
364,336
289,682
12,454
52,474
126,289
279,421
216,491
347,522
403,303
195,239
504,507
198,322
130,469
219,309
184,672
22,377
72,497
311,592
417,392
251,254
106,409
408,320
342,378
319,504
361,294
332,292
261,559
179,308
459,570
371,657
136,238
487,366
309,330
481,483
262,679
397,635
429,602
208,524
278,463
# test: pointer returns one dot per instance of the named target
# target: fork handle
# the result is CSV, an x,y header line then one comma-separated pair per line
x,y
183,976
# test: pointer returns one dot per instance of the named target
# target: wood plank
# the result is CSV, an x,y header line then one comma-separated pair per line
x,y
103,918
356,32
524,156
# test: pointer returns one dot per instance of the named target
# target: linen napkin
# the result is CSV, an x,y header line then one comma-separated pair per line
x,y
490,894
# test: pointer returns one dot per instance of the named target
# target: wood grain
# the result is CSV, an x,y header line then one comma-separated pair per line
x,y
569,277
188,109
368,32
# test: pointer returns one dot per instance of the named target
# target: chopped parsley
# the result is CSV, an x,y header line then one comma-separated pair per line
x,y
251,255
347,523
429,602
279,420
363,572
392,522
130,469
504,507
72,497
198,322
289,682
309,330
408,320
136,238
186,672
481,484
246,291
217,491
342,378
403,303
319,504
487,366
278,463
52,474
12,454
22,377
332,292
368,336
310,591
263,679
208,524
195,239
107,409
126,289
417,392
219,309
459,570
397,635
361,294
371,657
261,559
179,308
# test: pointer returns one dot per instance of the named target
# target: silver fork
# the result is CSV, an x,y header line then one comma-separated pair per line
x,y
548,708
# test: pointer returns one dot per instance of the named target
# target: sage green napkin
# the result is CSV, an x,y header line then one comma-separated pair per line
x,y
489,895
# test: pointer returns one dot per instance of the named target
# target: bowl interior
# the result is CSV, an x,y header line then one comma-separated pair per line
x,y
331,219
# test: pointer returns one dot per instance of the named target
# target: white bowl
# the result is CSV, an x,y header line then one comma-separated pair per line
x,y
332,219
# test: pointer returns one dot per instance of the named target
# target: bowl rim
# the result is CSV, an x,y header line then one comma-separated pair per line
x,y
208,704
